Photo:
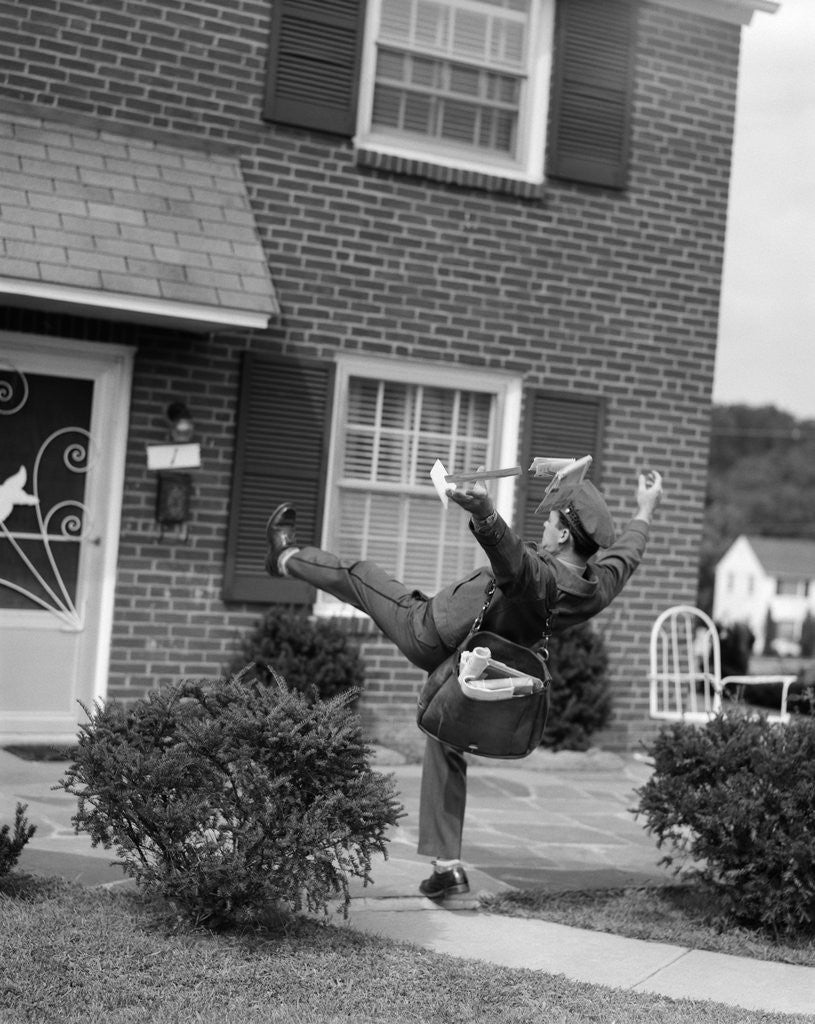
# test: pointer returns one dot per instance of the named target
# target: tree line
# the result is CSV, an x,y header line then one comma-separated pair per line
x,y
761,481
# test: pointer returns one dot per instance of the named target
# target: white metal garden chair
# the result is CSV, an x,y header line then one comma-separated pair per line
x,y
686,681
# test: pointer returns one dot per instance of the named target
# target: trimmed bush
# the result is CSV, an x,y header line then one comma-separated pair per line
x,y
314,656
581,699
734,800
11,846
230,798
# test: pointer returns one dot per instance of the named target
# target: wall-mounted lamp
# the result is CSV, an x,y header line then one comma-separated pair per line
x,y
174,488
179,452
181,424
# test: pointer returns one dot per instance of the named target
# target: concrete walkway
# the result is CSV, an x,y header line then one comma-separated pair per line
x,y
555,820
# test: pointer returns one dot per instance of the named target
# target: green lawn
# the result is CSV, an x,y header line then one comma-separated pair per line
x,y
73,955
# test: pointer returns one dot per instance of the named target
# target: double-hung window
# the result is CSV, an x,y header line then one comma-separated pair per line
x,y
390,425
474,92
458,82
788,587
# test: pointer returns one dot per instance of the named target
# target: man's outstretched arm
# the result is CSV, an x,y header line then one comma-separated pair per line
x,y
614,566
649,494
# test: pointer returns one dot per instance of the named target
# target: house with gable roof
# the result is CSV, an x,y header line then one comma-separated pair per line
x,y
346,237
761,578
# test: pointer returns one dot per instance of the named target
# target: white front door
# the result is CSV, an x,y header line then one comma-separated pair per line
x,y
63,432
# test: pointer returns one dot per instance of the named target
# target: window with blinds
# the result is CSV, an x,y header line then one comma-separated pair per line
x,y
351,442
452,71
390,425
458,78
458,88
387,510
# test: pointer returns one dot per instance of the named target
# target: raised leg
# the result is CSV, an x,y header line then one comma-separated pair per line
x,y
403,615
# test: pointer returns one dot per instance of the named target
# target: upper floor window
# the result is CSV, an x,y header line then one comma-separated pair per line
x,y
462,82
791,588
477,92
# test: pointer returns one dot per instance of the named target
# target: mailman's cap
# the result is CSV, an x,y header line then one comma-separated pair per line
x,y
585,504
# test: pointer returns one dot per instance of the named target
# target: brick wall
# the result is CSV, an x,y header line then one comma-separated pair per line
x,y
582,290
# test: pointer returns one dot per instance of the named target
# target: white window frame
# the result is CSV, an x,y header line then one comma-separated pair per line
x,y
527,165
507,389
789,587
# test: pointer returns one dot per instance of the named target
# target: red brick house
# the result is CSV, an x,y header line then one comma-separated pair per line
x,y
350,237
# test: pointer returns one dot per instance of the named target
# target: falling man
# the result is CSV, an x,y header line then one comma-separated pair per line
x,y
578,551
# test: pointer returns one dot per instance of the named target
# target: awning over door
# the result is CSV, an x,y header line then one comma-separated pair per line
x,y
96,221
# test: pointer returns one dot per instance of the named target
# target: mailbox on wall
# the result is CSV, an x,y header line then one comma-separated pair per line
x,y
170,457
168,460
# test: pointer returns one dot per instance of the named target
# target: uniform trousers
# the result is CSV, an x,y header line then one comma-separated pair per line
x,y
405,617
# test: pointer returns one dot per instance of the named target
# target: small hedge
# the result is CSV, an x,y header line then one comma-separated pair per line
x,y
11,844
734,800
580,693
229,798
314,656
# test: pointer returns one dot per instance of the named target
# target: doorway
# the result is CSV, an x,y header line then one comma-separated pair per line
x,y
64,408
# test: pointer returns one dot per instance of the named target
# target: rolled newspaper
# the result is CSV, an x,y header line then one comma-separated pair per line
x,y
473,664
483,678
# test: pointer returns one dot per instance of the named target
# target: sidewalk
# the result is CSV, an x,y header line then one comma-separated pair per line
x,y
556,820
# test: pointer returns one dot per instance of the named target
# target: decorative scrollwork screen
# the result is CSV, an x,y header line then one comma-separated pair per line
x,y
45,455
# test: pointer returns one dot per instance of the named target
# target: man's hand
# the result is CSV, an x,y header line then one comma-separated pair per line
x,y
649,494
473,497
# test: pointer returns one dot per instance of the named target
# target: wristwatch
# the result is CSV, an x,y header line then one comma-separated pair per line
x,y
482,525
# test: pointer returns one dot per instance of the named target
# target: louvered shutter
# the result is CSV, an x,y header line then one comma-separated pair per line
x,y
592,91
281,455
560,426
314,48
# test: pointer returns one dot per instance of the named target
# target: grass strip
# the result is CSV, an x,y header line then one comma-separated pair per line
x,y
72,955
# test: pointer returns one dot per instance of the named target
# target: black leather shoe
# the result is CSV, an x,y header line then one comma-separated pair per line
x,y
445,883
280,535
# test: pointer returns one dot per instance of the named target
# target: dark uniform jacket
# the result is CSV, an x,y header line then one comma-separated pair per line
x,y
524,575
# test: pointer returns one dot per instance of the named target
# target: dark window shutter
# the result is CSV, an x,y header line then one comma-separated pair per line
x,y
314,50
592,94
558,425
284,415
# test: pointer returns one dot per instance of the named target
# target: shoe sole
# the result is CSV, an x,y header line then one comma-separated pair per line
x,y
453,890
270,522
271,563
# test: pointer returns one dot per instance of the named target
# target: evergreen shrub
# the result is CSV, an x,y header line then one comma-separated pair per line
x,y
11,846
734,800
233,798
314,656
580,694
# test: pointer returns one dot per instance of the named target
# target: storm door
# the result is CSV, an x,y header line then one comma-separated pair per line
x,y
63,428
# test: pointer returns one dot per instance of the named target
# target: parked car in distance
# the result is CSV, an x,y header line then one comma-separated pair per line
x,y
785,648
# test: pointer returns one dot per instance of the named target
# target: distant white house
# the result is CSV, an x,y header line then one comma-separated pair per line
x,y
761,575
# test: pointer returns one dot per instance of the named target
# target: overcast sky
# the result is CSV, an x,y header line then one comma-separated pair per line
x,y
766,353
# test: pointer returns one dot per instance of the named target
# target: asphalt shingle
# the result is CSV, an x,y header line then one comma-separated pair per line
x,y
127,216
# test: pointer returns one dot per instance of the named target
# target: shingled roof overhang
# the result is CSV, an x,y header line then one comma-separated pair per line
x,y
790,557
99,222
737,12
